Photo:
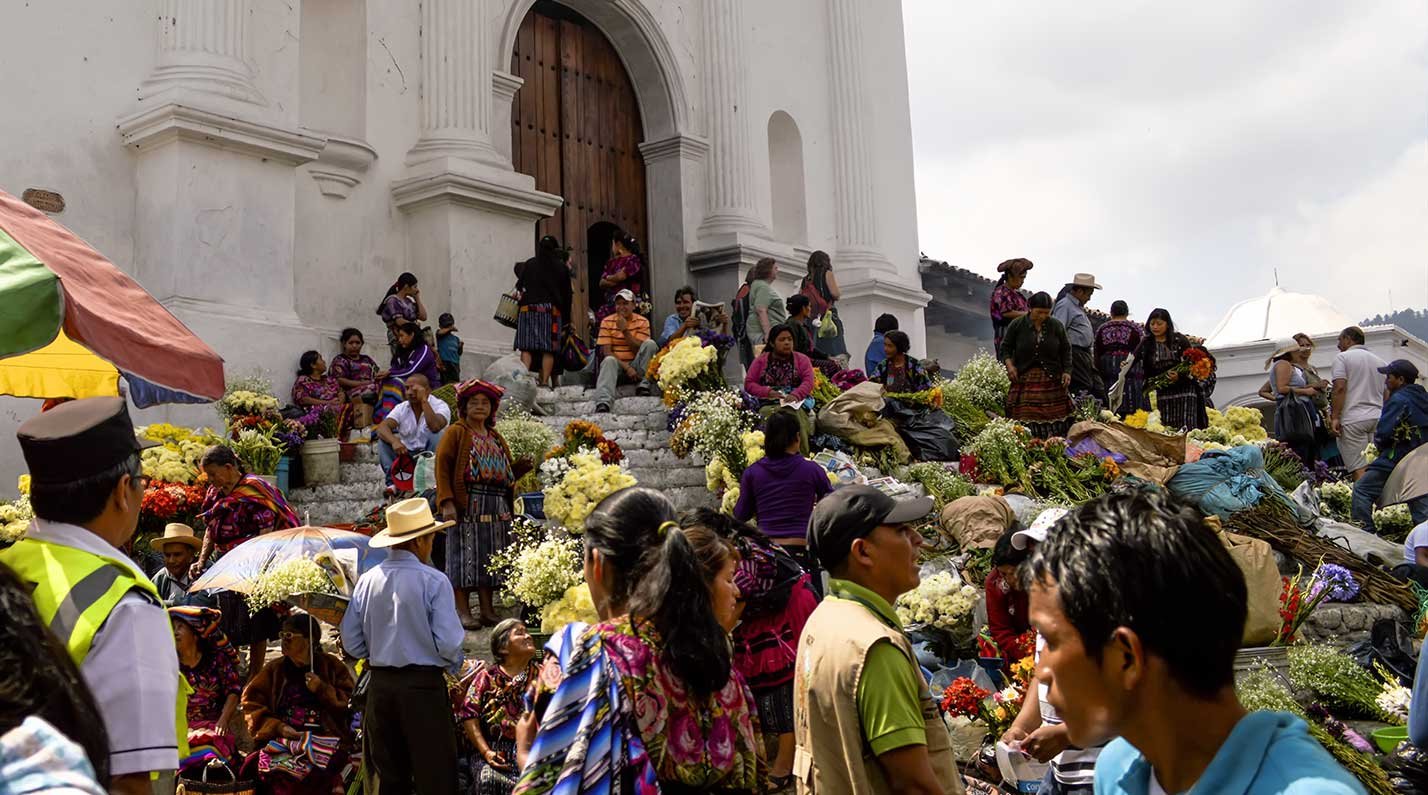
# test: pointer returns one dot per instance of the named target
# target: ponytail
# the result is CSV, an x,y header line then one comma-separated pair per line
x,y
406,279
674,595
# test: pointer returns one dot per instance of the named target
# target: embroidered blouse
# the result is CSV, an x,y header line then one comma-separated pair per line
x,y
214,679
324,388
1117,338
490,462
910,377
363,368
495,700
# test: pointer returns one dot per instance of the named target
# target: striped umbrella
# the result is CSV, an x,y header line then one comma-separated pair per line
x,y
241,566
74,323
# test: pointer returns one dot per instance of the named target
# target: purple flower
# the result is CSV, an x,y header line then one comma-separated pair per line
x,y
676,415
1336,582
847,379
721,342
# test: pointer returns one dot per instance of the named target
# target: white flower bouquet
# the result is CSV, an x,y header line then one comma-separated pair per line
x,y
542,573
983,382
582,487
527,436
295,576
1337,499
258,450
939,602
15,516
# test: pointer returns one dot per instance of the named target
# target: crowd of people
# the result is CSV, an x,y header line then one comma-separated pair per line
x,y
711,636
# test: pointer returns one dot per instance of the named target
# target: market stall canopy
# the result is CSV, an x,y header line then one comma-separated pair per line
x,y
74,323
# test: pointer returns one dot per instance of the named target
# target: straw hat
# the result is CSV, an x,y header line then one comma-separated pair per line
x,y
1083,280
1283,346
408,520
176,533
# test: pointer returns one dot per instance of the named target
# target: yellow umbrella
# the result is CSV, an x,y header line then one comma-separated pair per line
x,y
62,369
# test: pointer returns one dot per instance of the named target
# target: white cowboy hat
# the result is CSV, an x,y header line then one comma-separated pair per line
x,y
1286,345
1084,280
408,520
175,533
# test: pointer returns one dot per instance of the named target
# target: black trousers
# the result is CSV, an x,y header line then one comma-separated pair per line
x,y
1084,376
410,733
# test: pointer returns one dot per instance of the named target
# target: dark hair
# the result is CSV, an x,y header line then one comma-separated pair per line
x,y
309,358
548,243
686,290
305,625
885,323
1119,309
1148,562
781,430
1039,300
899,340
221,455
775,330
1354,333
1003,553
1161,314
38,677
764,268
418,338
82,499
1304,339
348,333
796,303
1013,266
624,527
725,525
819,262
675,596
406,279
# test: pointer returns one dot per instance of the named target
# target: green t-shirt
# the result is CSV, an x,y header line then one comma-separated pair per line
x,y
891,687
762,293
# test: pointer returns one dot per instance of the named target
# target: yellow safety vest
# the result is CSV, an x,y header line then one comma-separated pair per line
x,y
74,593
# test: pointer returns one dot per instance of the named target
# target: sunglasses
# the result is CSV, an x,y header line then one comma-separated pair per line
x,y
285,636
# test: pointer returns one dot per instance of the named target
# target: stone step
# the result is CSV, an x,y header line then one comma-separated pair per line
x,y
611,423
661,458
337,492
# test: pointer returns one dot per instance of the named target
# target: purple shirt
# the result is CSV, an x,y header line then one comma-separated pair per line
x,y
781,492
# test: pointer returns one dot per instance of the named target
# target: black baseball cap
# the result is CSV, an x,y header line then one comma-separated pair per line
x,y
1401,368
77,439
852,512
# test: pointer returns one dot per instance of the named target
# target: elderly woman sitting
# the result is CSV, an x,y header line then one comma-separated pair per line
x,y
296,709
493,704
781,376
210,664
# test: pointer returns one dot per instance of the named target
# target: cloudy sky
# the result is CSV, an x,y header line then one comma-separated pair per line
x,y
1180,155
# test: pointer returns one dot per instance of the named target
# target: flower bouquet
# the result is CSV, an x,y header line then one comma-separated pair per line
x,y
688,368
1336,680
1394,522
930,398
823,389
585,435
712,425
528,438
580,488
962,698
295,576
983,382
179,453
1284,465
236,404
258,450
169,502
1001,453
941,483
15,516
999,709
540,574
1195,363
713,339
942,606
575,605
1300,595
319,422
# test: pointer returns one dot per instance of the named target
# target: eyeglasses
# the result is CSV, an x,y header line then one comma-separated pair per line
x,y
285,636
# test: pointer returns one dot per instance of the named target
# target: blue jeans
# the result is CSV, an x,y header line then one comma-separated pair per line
x,y
1367,491
388,456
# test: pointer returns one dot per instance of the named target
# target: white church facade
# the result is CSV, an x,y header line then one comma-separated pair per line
x,y
266,168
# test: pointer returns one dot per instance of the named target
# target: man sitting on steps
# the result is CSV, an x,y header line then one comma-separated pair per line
x,y
625,351
413,427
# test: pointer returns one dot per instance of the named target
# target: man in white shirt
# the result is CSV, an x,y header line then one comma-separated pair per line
x,y
85,488
1357,398
414,426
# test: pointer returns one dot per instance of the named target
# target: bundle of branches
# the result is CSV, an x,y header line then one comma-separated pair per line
x,y
1272,522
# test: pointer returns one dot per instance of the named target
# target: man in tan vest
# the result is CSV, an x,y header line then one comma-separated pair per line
x,y
865,720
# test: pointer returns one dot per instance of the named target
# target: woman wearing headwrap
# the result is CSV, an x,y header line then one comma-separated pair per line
x,y
210,664
474,479
493,703
1008,301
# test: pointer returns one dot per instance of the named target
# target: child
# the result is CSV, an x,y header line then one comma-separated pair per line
x,y
448,348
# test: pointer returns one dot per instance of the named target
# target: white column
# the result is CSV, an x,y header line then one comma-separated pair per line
x,y
203,47
731,166
852,155
455,84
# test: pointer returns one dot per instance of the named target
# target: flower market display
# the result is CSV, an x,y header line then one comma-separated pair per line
x,y
983,383
528,438
542,572
585,435
575,604
574,490
687,368
295,576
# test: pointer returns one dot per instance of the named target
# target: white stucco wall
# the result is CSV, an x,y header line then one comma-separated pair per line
x,y
263,264
1240,369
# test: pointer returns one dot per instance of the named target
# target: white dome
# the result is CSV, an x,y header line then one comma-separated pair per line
x,y
1276,315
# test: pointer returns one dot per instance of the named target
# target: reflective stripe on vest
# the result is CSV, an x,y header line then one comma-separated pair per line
x,y
74,592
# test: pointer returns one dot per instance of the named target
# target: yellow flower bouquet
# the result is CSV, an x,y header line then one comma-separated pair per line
x,y
689,367
587,482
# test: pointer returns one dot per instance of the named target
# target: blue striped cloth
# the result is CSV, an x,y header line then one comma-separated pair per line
x,y
35,757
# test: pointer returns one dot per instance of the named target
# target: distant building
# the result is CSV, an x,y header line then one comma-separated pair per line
x,y
958,318
1248,333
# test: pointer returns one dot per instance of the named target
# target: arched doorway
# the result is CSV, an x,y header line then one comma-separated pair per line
x,y
576,128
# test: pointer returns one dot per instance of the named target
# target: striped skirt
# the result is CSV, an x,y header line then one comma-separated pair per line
x,y
538,328
484,529
1039,401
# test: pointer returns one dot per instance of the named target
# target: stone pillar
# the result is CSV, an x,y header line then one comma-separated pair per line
x,y
856,212
730,175
203,47
456,96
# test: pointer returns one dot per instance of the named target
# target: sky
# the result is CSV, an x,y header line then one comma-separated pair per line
x,y
1180,153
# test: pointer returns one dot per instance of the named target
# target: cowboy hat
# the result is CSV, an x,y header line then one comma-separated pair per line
x,y
1083,280
1019,264
175,533
1286,345
408,520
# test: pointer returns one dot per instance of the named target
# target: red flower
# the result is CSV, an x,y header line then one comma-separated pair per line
x,y
962,698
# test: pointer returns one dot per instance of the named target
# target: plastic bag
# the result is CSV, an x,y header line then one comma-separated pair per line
x,y
928,433
1407,768
424,475
1388,645
510,373
942,677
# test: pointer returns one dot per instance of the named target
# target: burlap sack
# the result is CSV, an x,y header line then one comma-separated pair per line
x,y
976,522
1262,582
1150,456
854,417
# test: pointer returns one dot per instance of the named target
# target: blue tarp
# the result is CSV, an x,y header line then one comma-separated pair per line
x,y
1225,481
